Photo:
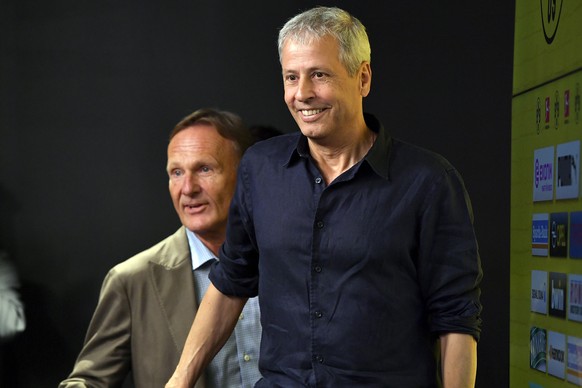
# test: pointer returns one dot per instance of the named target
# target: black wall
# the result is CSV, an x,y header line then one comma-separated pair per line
x,y
90,90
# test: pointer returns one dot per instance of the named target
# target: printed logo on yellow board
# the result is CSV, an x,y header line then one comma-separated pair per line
x,y
577,103
550,10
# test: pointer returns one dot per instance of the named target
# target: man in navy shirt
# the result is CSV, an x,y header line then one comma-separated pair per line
x,y
360,246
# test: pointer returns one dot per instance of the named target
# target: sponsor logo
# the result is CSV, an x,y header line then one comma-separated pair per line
x,y
557,298
540,234
550,11
539,295
556,109
574,366
558,283
539,281
575,294
577,103
559,234
557,354
568,160
566,105
575,300
538,115
543,174
566,170
537,348
576,235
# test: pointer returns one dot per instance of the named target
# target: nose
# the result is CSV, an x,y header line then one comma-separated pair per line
x,y
190,185
304,89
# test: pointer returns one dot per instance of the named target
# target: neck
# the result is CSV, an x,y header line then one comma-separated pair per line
x,y
211,242
334,160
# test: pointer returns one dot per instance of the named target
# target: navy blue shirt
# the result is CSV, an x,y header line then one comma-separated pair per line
x,y
357,278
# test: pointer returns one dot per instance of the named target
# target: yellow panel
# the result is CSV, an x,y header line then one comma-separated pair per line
x,y
535,60
546,112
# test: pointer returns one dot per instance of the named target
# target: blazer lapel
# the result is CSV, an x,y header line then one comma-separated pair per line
x,y
173,283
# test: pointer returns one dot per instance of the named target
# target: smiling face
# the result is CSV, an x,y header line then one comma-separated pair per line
x,y
322,97
202,170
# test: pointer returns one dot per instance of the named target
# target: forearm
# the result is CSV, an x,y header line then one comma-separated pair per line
x,y
459,360
214,322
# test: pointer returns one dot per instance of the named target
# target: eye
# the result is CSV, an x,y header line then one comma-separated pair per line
x,y
290,78
318,74
176,173
205,169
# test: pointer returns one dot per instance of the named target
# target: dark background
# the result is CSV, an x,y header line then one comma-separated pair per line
x,y
90,90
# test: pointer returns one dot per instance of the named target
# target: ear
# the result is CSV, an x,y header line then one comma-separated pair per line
x,y
365,78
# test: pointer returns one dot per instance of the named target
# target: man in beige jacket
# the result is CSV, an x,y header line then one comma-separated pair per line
x,y
148,302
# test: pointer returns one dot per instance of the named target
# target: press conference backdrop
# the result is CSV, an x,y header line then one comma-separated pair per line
x,y
546,208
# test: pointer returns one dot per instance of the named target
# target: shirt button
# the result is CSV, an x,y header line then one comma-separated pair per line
x,y
318,180
246,357
241,316
318,314
319,224
317,268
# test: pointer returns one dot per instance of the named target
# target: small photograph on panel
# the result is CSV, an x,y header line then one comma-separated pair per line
x,y
539,291
574,360
559,234
568,174
557,354
540,240
575,233
543,174
575,299
537,348
558,291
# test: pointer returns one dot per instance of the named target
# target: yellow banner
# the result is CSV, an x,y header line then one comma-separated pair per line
x,y
546,196
548,41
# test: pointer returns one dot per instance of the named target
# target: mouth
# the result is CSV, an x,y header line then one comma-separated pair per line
x,y
193,208
310,112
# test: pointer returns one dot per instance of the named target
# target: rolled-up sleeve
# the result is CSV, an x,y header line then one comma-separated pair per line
x,y
449,263
237,272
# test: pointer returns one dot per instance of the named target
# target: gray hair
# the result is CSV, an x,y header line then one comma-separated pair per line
x,y
349,32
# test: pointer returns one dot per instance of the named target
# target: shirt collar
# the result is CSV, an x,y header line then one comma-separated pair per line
x,y
199,253
378,157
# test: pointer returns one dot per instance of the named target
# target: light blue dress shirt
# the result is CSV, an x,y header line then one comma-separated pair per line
x,y
236,365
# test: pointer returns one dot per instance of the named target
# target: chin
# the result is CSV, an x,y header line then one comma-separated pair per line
x,y
312,134
194,226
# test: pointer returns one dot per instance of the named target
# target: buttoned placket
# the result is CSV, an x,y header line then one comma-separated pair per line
x,y
316,311
245,355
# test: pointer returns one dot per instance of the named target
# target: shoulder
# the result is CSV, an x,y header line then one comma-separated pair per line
x,y
265,160
278,147
170,252
406,157
434,178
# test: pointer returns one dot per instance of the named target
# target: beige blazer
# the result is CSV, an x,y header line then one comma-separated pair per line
x,y
145,310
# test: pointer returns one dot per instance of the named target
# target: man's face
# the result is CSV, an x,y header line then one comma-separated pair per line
x,y
202,169
321,96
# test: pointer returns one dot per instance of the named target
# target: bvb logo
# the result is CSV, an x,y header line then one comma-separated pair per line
x,y
550,11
